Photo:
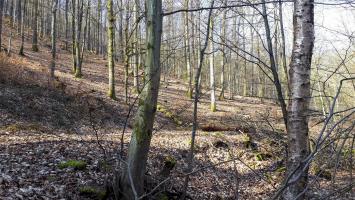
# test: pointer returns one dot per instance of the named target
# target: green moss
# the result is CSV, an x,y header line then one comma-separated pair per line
x,y
93,192
246,139
162,196
76,164
262,156
170,162
281,169
160,108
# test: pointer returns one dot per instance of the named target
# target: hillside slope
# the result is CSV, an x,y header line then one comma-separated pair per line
x,y
44,125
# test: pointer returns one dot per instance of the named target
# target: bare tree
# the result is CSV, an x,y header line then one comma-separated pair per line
x,y
133,179
300,94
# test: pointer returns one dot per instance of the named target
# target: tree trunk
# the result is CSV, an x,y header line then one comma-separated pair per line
x,y
212,78
300,72
1,10
98,27
111,49
35,28
73,5
53,36
283,48
136,48
79,8
273,65
143,126
66,24
187,50
22,25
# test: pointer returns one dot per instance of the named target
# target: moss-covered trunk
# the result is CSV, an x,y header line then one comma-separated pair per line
x,y
143,125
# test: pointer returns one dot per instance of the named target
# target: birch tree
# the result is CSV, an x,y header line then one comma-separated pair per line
x,y
212,78
300,85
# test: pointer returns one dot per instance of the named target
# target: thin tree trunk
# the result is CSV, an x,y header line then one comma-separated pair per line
x,y
212,78
283,48
73,6
80,4
196,99
35,27
187,50
1,10
298,109
143,126
66,24
273,65
98,42
23,12
53,36
111,49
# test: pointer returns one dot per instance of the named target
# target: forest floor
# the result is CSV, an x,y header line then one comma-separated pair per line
x,y
240,148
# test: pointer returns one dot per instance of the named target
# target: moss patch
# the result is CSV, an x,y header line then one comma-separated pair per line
x,y
93,192
75,164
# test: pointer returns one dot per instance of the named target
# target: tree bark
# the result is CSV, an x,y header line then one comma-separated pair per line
x,y
187,51
66,24
53,36
212,78
22,28
1,10
111,49
300,72
73,5
143,125
35,28
79,8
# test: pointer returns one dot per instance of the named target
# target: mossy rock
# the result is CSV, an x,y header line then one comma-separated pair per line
x,y
93,192
75,164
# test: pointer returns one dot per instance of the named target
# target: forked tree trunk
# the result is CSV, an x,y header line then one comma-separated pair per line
x,y
111,49
300,72
143,125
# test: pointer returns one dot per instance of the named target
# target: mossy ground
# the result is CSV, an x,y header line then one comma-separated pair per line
x,y
75,164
